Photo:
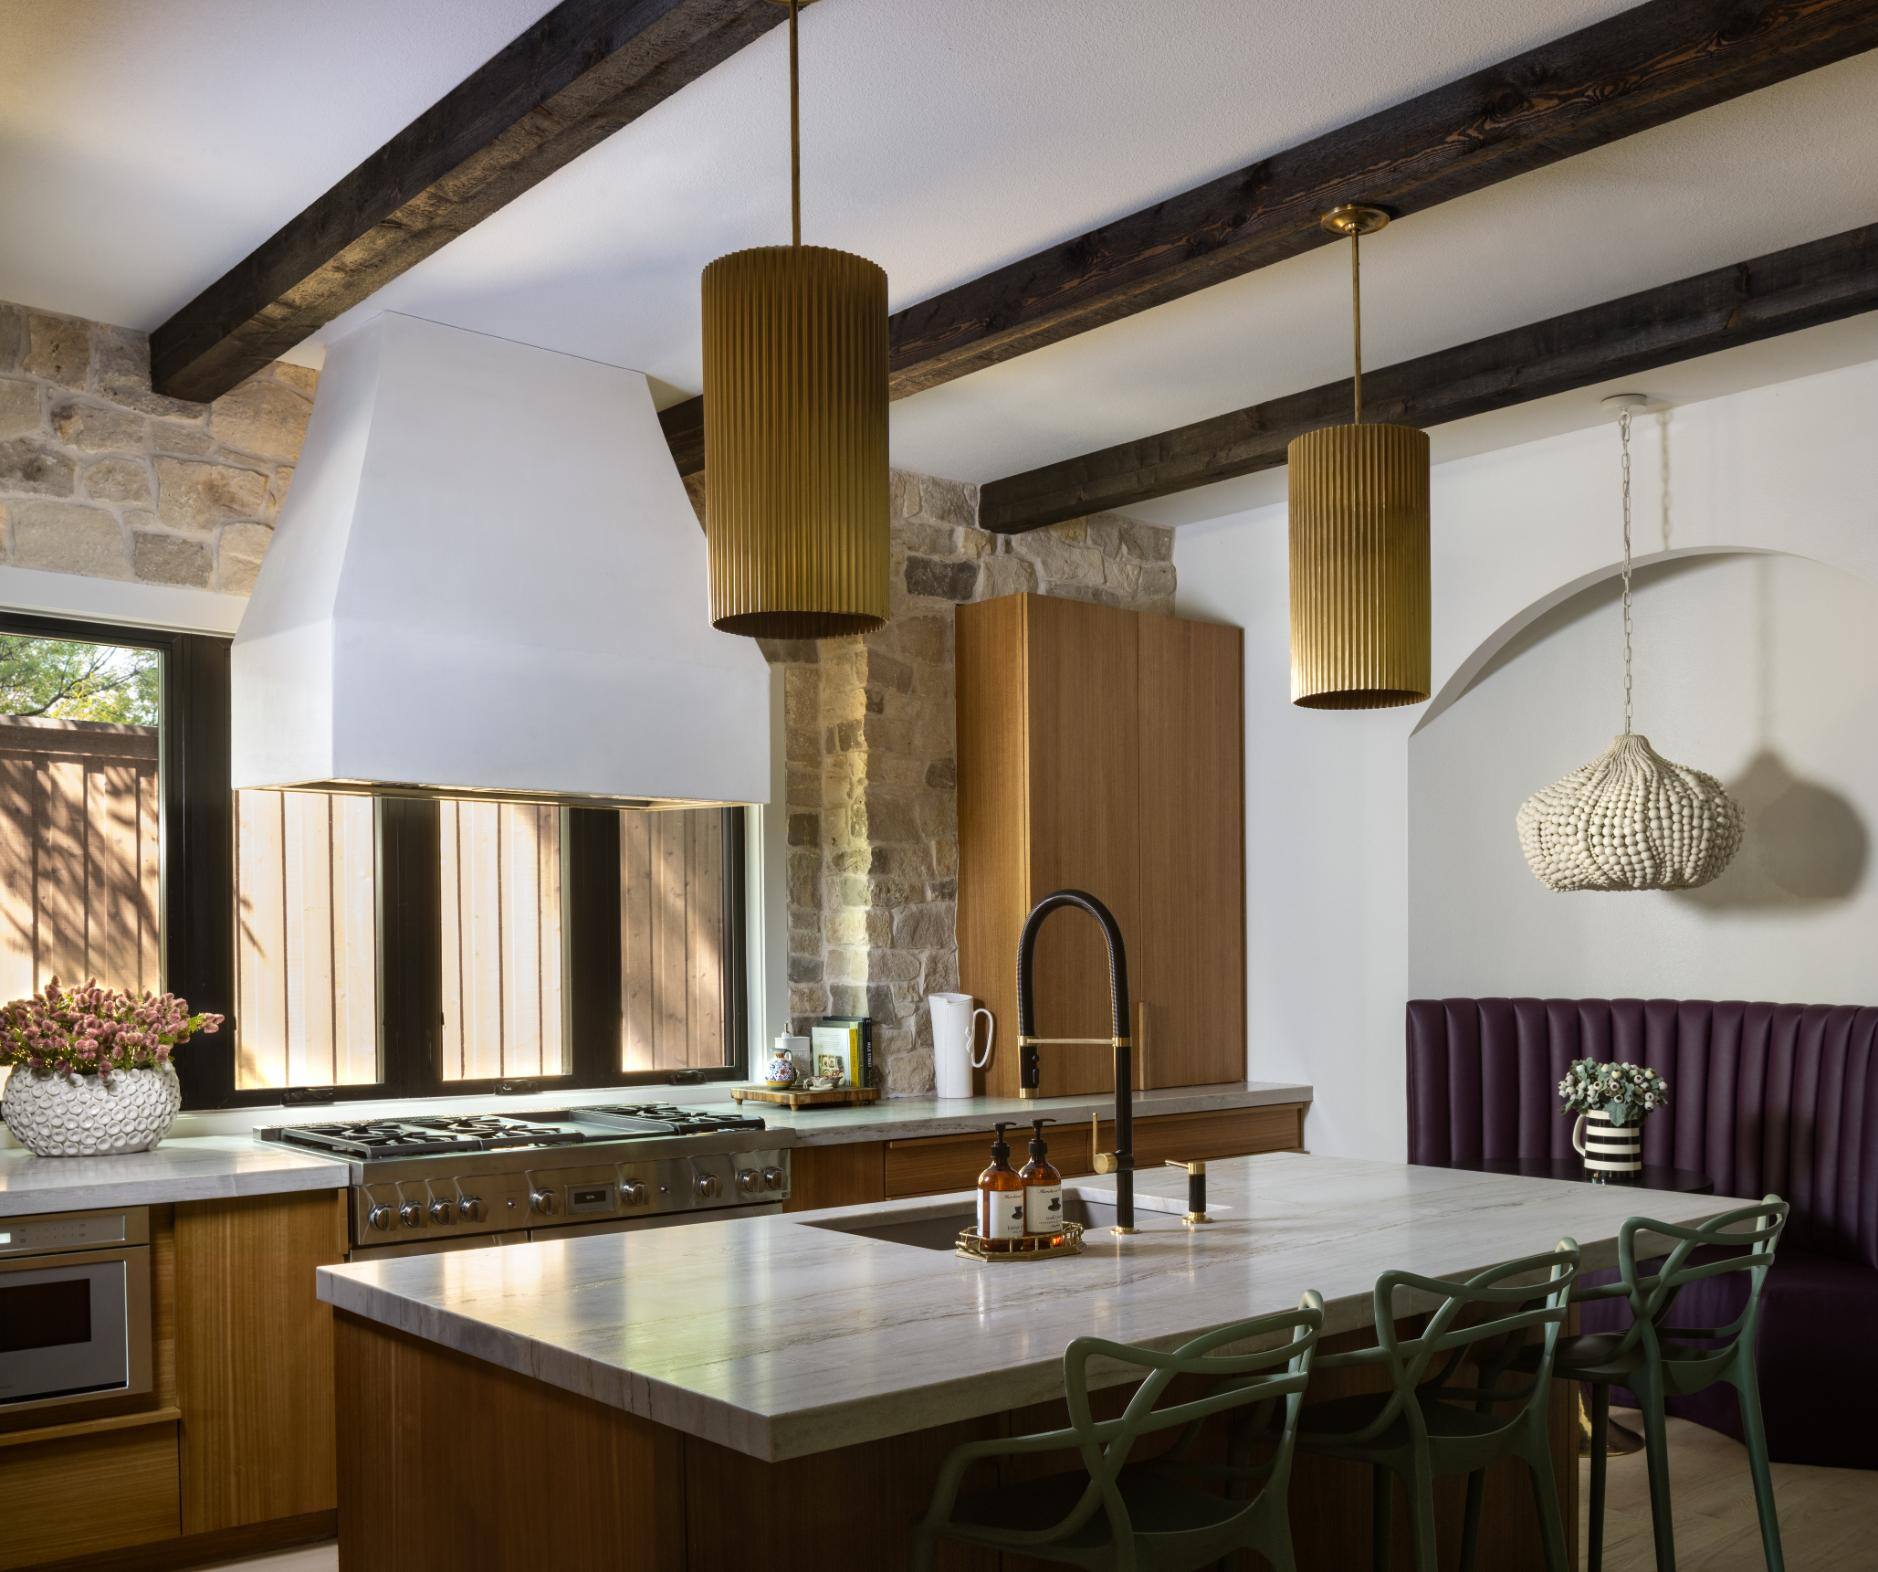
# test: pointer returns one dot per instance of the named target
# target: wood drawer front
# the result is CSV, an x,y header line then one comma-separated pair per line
x,y
938,1163
89,1494
1232,1132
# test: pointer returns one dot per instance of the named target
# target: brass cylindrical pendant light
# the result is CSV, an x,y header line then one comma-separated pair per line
x,y
795,431
1359,544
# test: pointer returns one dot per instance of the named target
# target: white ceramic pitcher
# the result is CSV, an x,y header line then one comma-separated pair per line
x,y
954,1025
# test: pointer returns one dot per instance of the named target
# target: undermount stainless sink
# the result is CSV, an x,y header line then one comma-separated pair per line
x,y
939,1228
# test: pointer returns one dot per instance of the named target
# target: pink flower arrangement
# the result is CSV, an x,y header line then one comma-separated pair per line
x,y
93,1030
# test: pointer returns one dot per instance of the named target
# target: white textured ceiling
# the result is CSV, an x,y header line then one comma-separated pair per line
x,y
939,139
146,146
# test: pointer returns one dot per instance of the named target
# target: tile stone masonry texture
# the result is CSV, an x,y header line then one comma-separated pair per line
x,y
150,487
100,475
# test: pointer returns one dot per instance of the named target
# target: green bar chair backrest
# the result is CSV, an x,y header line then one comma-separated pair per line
x,y
1746,1237
1243,1380
1519,1297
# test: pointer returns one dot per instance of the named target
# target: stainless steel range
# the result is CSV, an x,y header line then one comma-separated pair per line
x,y
447,1181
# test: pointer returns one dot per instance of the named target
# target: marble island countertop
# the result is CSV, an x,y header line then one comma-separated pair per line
x,y
198,1168
785,1336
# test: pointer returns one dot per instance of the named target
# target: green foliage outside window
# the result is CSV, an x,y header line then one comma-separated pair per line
x,y
64,680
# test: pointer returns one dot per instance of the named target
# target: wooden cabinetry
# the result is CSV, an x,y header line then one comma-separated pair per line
x,y
1101,750
254,1358
80,1490
934,1164
234,1448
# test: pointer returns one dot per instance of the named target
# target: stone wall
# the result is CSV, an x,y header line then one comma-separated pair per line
x,y
872,801
101,476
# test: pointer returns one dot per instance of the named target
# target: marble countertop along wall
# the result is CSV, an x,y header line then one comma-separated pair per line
x,y
905,1118
782,1338
202,1168
892,1118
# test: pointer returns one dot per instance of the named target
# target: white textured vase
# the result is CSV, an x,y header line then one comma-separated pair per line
x,y
1610,1151
56,1115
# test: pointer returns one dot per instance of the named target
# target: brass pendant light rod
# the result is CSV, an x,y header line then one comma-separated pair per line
x,y
1356,324
1355,220
795,129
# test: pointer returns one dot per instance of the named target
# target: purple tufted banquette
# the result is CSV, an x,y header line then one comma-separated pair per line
x,y
1763,1097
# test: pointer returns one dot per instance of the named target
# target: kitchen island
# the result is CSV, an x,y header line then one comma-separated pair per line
x,y
778,1391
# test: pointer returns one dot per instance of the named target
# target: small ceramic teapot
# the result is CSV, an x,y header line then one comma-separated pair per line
x,y
781,1071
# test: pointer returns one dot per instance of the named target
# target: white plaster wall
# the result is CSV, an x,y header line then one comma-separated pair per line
x,y
1756,668
1790,467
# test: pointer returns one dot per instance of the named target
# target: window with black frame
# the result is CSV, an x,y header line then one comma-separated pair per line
x,y
360,946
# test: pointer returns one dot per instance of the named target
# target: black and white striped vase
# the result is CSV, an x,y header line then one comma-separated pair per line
x,y
1613,1153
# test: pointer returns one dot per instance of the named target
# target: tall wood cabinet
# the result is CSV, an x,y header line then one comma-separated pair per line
x,y
1102,750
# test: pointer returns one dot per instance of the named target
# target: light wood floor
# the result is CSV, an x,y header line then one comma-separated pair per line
x,y
309,1558
1828,1516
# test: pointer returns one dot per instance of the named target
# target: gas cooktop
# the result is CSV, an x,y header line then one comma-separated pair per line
x,y
439,1135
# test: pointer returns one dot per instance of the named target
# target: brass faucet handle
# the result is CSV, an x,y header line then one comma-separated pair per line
x,y
1105,1162
1196,1191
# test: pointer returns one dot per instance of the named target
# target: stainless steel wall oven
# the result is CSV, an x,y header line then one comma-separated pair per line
x,y
74,1310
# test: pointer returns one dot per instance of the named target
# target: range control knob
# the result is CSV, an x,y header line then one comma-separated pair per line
x,y
440,1212
749,1181
470,1208
774,1178
710,1186
379,1217
632,1193
544,1201
411,1215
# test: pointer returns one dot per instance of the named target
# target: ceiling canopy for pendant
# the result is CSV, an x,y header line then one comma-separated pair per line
x,y
1630,819
795,430
1359,543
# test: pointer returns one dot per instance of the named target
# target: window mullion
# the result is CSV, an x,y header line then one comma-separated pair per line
x,y
593,984
410,946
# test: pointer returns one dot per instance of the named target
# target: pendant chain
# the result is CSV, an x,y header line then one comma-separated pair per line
x,y
1623,430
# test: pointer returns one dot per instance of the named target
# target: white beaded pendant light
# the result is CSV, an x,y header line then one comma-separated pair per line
x,y
1630,819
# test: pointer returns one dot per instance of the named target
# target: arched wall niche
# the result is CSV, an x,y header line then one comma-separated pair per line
x,y
1751,663
1331,920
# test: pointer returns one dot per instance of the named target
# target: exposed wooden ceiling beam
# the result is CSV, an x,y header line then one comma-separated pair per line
x,y
1803,286
1640,68
584,70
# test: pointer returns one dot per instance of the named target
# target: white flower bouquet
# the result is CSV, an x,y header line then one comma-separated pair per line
x,y
1623,1093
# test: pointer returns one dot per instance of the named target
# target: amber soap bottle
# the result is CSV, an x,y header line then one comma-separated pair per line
x,y
1001,1198
1043,1187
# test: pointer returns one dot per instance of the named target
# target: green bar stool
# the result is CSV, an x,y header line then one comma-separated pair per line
x,y
1424,1426
1154,1516
1657,1359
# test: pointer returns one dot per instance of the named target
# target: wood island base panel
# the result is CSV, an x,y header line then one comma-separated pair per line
x,y
579,1486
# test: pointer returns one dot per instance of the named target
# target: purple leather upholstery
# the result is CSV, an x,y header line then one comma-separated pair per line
x,y
1763,1097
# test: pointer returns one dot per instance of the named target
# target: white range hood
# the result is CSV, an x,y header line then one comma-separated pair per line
x,y
487,581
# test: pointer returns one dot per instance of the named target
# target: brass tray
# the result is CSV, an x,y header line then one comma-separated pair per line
x,y
1033,1247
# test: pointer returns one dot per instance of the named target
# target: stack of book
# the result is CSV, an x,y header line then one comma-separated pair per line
x,y
843,1045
